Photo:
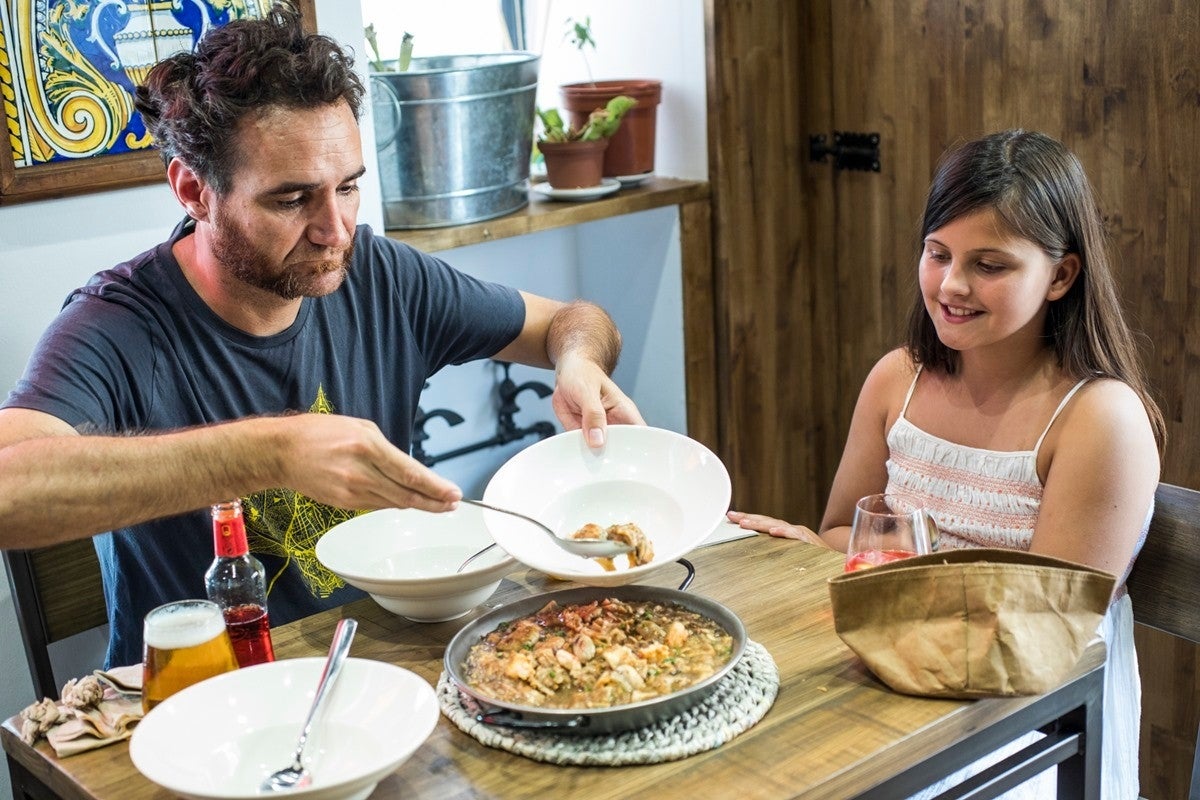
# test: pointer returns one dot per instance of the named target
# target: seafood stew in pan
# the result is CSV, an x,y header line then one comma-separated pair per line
x,y
597,654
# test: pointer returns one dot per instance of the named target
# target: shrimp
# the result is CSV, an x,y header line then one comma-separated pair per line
x,y
677,634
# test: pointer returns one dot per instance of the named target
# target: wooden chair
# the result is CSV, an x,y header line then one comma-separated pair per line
x,y
57,593
1165,581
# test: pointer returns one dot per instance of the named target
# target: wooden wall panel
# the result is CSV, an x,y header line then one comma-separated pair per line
x,y
766,337
815,268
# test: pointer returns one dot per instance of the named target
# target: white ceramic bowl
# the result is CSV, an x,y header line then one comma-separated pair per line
x,y
218,739
672,487
406,559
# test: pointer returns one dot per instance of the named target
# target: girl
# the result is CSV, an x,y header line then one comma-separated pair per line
x,y
1017,410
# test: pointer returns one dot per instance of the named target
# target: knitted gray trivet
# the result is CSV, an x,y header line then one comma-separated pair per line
x,y
740,700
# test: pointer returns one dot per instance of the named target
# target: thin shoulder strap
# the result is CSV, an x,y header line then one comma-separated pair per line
x,y
1037,447
912,388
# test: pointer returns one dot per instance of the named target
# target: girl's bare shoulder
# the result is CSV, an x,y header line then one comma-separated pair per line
x,y
888,382
895,365
1105,411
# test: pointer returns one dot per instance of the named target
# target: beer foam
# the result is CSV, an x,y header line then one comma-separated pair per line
x,y
185,626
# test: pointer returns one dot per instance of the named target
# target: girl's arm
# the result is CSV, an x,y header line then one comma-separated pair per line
x,y
1101,467
863,468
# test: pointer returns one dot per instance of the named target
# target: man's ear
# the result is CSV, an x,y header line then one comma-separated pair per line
x,y
189,189
1065,273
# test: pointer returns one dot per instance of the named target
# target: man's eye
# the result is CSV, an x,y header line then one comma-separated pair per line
x,y
294,202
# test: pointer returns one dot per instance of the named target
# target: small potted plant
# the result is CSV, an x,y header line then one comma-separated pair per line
x,y
574,155
631,152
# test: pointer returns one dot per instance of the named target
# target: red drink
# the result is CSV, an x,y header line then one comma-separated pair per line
x,y
236,581
867,559
250,631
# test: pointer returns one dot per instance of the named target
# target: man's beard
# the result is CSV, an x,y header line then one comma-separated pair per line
x,y
255,268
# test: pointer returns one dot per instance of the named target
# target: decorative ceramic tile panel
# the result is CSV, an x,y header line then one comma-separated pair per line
x,y
68,69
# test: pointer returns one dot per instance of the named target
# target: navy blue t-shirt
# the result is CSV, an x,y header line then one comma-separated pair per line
x,y
137,350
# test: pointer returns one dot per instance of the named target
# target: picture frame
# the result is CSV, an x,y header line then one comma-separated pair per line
x,y
67,72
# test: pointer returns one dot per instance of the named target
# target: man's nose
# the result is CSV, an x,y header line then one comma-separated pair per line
x,y
331,225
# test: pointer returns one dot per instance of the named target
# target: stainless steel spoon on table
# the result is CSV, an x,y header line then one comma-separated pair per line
x,y
297,776
586,548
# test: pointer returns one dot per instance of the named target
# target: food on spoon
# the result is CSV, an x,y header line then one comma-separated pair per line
x,y
627,533
605,653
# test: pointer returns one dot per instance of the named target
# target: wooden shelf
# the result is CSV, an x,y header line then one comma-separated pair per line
x,y
695,241
541,214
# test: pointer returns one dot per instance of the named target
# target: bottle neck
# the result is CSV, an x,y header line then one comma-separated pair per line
x,y
229,531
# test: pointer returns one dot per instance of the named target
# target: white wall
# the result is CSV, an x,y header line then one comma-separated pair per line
x,y
48,248
659,39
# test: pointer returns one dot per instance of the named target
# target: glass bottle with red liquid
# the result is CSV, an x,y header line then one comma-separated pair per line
x,y
236,581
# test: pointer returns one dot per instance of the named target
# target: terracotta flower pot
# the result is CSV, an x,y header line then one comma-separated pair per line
x,y
574,165
631,151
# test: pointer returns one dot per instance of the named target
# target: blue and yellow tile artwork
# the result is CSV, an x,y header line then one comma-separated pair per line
x,y
68,69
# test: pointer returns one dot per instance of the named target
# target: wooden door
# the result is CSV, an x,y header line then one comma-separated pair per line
x,y
815,267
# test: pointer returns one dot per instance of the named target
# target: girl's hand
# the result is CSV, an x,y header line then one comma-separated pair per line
x,y
775,527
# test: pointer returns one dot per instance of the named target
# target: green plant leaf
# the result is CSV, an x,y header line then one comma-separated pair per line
x,y
604,122
406,46
377,62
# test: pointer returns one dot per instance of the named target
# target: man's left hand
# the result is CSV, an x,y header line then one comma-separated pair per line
x,y
586,398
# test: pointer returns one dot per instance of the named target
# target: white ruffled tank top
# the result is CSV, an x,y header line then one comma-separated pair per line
x,y
979,498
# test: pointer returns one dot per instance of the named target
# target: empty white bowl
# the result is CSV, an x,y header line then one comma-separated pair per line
x,y
406,560
672,487
218,739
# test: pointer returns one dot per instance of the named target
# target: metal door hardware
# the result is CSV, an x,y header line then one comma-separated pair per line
x,y
859,151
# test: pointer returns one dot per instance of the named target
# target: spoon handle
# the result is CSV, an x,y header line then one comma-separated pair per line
x,y
339,648
482,504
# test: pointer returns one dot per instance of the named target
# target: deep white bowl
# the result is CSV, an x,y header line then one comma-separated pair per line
x,y
406,559
218,739
672,487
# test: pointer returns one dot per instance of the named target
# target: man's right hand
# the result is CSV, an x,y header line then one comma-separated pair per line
x,y
348,463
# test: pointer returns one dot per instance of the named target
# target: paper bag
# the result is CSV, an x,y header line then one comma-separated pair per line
x,y
971,623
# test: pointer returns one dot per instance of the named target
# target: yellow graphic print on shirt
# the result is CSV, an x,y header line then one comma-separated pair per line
x,y
285,523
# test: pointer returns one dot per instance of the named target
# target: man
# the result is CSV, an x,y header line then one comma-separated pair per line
x,y
189,368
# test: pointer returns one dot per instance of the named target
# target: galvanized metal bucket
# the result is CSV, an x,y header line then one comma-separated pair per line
x,y
454,135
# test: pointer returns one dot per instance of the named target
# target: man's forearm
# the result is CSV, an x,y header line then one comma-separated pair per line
x,y
586,330
63,487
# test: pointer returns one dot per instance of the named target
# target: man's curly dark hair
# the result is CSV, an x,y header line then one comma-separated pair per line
x,y
192,102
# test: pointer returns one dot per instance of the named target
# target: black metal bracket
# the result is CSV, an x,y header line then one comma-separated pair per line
x,y
857,151
507,429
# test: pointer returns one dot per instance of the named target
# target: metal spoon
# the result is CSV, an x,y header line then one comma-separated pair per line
x,y
474,556
297,776
585,548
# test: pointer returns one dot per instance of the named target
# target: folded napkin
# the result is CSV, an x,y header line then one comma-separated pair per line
x,y
94,711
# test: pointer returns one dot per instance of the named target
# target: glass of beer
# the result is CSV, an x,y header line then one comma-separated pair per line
x,y
183,643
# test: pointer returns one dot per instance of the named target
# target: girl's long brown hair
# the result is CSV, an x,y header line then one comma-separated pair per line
x,y
1039,189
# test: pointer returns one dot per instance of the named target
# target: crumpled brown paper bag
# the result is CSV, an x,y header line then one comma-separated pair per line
x,y
977,622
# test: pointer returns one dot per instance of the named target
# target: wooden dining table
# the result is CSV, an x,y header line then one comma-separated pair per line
x,y
834,730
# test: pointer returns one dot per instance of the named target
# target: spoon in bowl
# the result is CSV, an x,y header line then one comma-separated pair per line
x,y
297,776
585,548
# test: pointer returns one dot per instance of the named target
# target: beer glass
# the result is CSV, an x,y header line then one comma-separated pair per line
x,y
183,643
886,528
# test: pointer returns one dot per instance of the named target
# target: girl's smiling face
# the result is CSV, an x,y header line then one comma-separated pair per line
x,y
984,285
